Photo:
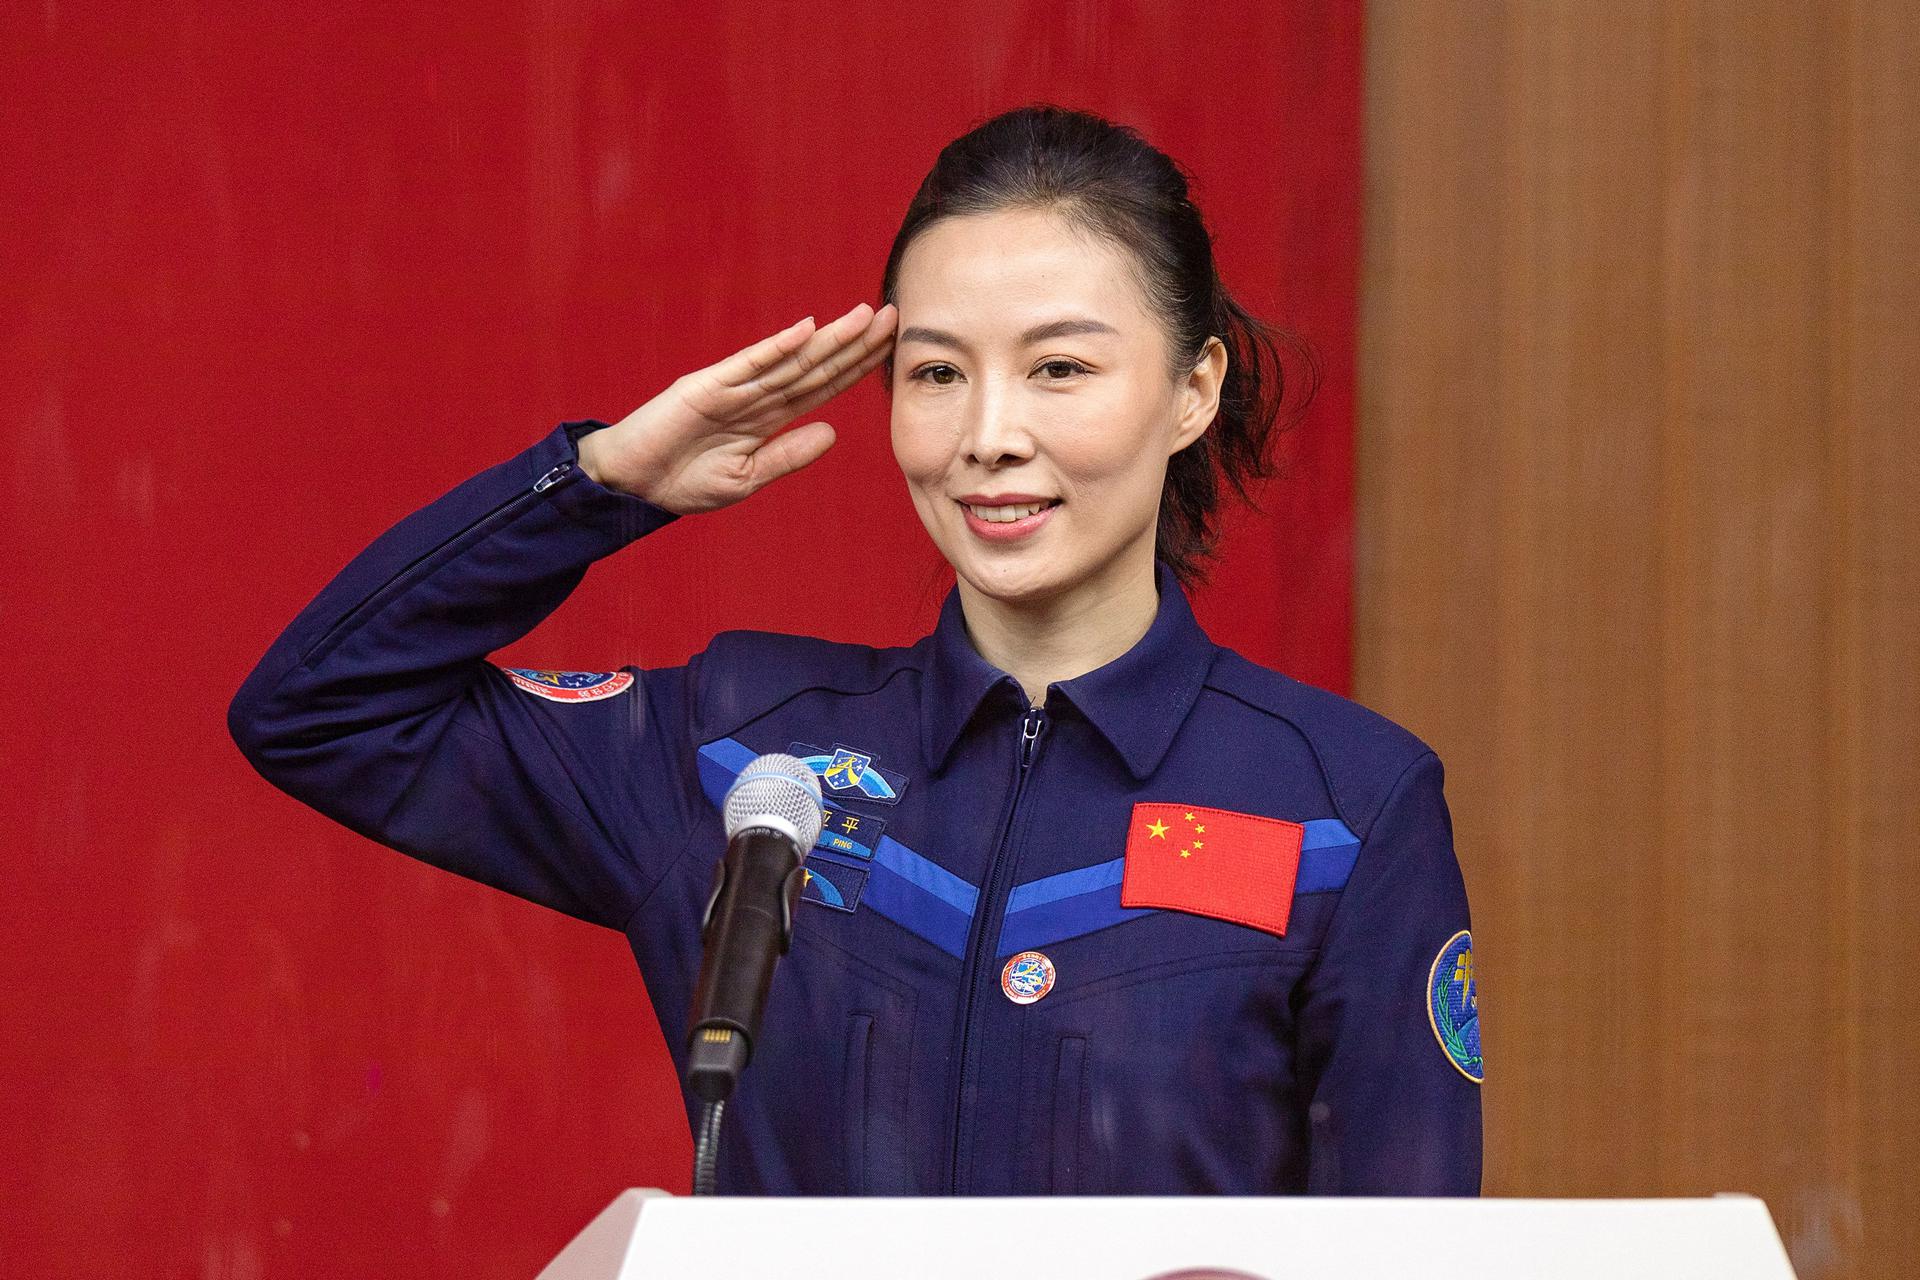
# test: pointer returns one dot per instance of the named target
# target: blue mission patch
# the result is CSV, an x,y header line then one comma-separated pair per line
x,y
851,773
1453,1006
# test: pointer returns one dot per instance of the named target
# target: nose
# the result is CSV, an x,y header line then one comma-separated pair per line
x,y
996,434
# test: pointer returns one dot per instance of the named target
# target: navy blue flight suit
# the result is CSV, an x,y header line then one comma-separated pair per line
x,y
974,858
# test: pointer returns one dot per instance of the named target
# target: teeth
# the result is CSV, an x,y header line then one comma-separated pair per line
x,y
1007,515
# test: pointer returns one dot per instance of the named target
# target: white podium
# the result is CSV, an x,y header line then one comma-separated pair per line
x,y
651,1234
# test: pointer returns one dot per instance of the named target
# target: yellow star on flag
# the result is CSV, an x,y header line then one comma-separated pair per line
x,y
1157,830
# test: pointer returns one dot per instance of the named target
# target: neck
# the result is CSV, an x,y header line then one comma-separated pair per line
x,y
1043,642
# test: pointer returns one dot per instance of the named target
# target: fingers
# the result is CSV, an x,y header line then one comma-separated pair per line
x,y
840,382
828,345
843,367
792,372
823,348
789,451
745,365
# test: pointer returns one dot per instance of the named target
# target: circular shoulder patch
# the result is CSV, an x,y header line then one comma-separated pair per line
x,y
1027,977
570,686
1453,1006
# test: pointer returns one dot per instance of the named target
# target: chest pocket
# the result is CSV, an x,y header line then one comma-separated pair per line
x,y
829,1076
1174,1072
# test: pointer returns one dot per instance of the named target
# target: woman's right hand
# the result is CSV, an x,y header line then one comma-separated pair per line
x,y
708,440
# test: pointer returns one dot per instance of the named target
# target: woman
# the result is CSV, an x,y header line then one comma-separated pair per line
x,y
1100,906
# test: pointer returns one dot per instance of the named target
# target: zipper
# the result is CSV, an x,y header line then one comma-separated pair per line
x,y
373,603
1032,724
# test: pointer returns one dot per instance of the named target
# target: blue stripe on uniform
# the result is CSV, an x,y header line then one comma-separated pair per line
x,y
914,892
1073,903
1065,906
1327,853
720,761
1068,884
920,897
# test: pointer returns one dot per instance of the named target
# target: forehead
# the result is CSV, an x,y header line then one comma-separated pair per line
x,y
999,271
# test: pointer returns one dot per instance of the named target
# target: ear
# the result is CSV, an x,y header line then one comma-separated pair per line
x,y
1200,395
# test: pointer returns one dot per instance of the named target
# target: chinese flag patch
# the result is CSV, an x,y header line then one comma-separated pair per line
x,y
1212,862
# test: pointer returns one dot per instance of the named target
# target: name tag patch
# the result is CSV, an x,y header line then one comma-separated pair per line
x,y
851,834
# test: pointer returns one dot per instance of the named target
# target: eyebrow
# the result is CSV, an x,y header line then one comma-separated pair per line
x,y
1067,328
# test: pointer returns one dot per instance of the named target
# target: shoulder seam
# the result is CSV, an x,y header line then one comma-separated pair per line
x,y
1344,802
1326,774
1365,845
825,682
822,686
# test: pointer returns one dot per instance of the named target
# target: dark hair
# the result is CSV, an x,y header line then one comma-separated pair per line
x,y
1104,178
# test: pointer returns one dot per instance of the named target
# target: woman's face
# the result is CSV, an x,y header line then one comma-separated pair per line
x,y
1033,411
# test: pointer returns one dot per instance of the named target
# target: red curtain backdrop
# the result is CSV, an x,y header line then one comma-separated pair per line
x,y
276,276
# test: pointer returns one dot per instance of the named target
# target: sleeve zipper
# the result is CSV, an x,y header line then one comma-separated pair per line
x,y
378,599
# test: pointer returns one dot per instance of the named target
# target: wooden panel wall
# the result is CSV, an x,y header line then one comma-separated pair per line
x,y
1637,553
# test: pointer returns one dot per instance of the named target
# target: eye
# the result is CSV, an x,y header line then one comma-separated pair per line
x,y
925,373
1071,368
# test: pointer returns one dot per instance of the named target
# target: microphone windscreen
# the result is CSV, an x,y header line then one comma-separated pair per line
x,y
779,791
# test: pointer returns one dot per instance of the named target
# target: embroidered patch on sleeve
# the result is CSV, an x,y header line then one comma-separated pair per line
x,y
1212,862
1453,1006
570,686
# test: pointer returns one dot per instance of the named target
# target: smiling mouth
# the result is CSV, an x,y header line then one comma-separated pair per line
x,y
1009,514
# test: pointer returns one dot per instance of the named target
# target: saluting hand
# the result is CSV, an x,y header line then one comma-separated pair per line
x,y
708,440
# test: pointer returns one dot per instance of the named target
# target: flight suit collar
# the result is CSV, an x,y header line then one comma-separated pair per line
x,y
1137,702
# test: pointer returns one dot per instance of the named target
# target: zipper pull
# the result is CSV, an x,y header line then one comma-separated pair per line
x,y
1030,727
552,477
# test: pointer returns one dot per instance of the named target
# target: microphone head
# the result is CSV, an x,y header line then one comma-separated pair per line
x,y
776,791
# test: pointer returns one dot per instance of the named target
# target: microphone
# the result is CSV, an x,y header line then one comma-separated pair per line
x,y
773,815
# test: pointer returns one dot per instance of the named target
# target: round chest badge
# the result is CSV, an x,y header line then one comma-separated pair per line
x,y
1453,1006
1027,977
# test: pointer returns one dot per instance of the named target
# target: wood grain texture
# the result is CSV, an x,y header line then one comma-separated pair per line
x,y
1637,553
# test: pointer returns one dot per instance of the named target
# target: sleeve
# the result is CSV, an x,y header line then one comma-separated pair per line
x,y
377,705
1389,1041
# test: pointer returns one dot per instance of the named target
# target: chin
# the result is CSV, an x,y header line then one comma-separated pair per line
x,y
1016,583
